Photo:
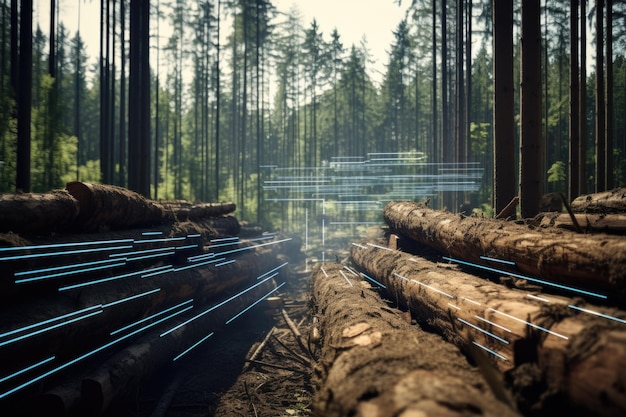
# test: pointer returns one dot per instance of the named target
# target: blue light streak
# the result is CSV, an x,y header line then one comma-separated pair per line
x,y
194,235
62,267
65,245
490,351
28,368
252,247
482,330
253,304
223,239
99,281
132,297
167,239
158,271
540,281
530,324
139,252
595,313
66,273
151,233
372,279
193,346
36,332
213,308
502,261
379,247
200,257
153,316
198,264
187,247
225,263
493,324
156,255
346,278
350,271
41,323
84,356
219,245
359,245
68,252
272,270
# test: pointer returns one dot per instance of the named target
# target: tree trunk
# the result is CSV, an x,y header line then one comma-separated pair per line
x,y
559,257
109,206
582,355
598,223
33,213
184,210
574,104
373,362
613,201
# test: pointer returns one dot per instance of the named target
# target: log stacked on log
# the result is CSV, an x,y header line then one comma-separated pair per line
x,y
612,201
71,300
577,348
30,213
374,363
595,261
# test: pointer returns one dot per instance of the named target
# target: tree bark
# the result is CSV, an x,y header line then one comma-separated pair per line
x,y
599,223
613,201
594,261
375,363
34,213
582,356
184,210
108,206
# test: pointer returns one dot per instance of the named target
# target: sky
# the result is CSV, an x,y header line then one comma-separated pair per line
x,y
354,19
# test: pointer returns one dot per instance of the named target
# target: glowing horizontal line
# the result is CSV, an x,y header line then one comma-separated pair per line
x,y
453,306
483,330
379,247
160,270
41,323
493,324
272,270
150,317
486,258
200,257
186,247
428,286
198,264
253,304
138,252
132,297
28,368
62,267
359,245
86,355
219,245
69,252
225,263
224,239
261,238
193,346
156,255
213,308
530,324
194,235
36,332
501,271
346,278
340,223
490,351
606,316
66,273
167,239
372,279
350,271
65,245
545,300
98,281
151,233
471,301
252,247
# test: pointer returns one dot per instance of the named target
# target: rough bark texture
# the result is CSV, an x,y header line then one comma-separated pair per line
x,y
595,261
184,210
32,213
105,207
613,201
374,363
580,357
614,223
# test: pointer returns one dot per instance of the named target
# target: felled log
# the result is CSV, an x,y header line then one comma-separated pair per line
x,y
612,201
105,207
37,213
374,363
185,210
596,261
582,355
135,364
599,223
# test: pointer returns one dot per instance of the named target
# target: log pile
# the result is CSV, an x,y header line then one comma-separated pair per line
x,y
102,287
538,308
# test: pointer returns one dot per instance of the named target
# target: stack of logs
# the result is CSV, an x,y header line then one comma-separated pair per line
x,y
102,287
537,306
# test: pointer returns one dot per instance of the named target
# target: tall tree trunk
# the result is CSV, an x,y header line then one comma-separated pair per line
x,y
217,106
574,103
122,114
600,95
582,150
531,158
608,150
504,188
24,97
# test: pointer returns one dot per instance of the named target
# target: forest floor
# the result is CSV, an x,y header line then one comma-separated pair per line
x,y
218,380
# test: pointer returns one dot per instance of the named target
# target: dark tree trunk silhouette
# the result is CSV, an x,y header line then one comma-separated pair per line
x,y
574,104
600,180
24,96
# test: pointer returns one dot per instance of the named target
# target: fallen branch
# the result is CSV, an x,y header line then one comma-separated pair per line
x,y
294,329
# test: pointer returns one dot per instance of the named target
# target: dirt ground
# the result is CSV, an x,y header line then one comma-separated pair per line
x,y
217,380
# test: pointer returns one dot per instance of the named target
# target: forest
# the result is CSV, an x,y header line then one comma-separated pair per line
x,y
238,91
